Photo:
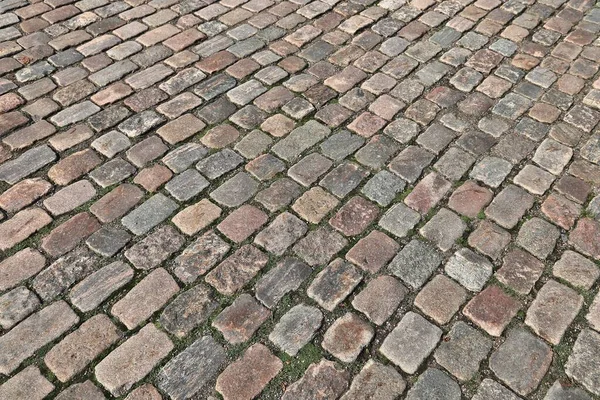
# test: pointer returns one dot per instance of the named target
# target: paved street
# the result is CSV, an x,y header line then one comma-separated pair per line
x,y
300,199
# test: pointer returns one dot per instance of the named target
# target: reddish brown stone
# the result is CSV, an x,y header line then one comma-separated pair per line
x,y
586,237
489,239
247,377
116,203
373,251
74,166
239,321
22,225
242,223
469,199
23,194
492,310
67,235
355,216
427,193
560,210
152,178
520,271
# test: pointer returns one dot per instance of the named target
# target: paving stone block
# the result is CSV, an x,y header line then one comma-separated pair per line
x,y
411,341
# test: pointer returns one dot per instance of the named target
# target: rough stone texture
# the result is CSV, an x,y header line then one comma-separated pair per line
x,y
376,307
34,332
346,337
333,284
553,310
321,381
278,153
461,352
247,376
521,361
192,369
434,384
296,328
144,350
375,381
411,341
79,348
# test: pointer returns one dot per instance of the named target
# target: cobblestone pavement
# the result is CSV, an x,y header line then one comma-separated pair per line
x,y
296,199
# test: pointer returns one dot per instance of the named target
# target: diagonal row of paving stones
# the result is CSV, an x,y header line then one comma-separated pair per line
x,y
300,199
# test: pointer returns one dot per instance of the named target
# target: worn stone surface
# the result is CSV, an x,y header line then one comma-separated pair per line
x,y
411,341
521,361
192,369
321,381
296,328
144,350
207,167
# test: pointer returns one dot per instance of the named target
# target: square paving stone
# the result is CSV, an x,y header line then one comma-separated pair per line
x,y
492,390
521,361
492,310
582,365
538,237
343,179
241,319
346,337
319,246
376,378
411,342
434,384
383,187
469,269
444,229
553,310
576,269
520,271
354,216
415,263
373,252
489,239
333,284
376,307
509,206
440,299
296,328
236,190
399,220
462,351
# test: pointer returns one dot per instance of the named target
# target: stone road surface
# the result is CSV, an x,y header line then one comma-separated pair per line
x,y
300,200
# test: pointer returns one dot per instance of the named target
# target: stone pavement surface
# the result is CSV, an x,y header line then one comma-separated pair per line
x,y
300,199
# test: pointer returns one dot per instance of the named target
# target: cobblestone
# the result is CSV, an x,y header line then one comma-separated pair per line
x,y
219,177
